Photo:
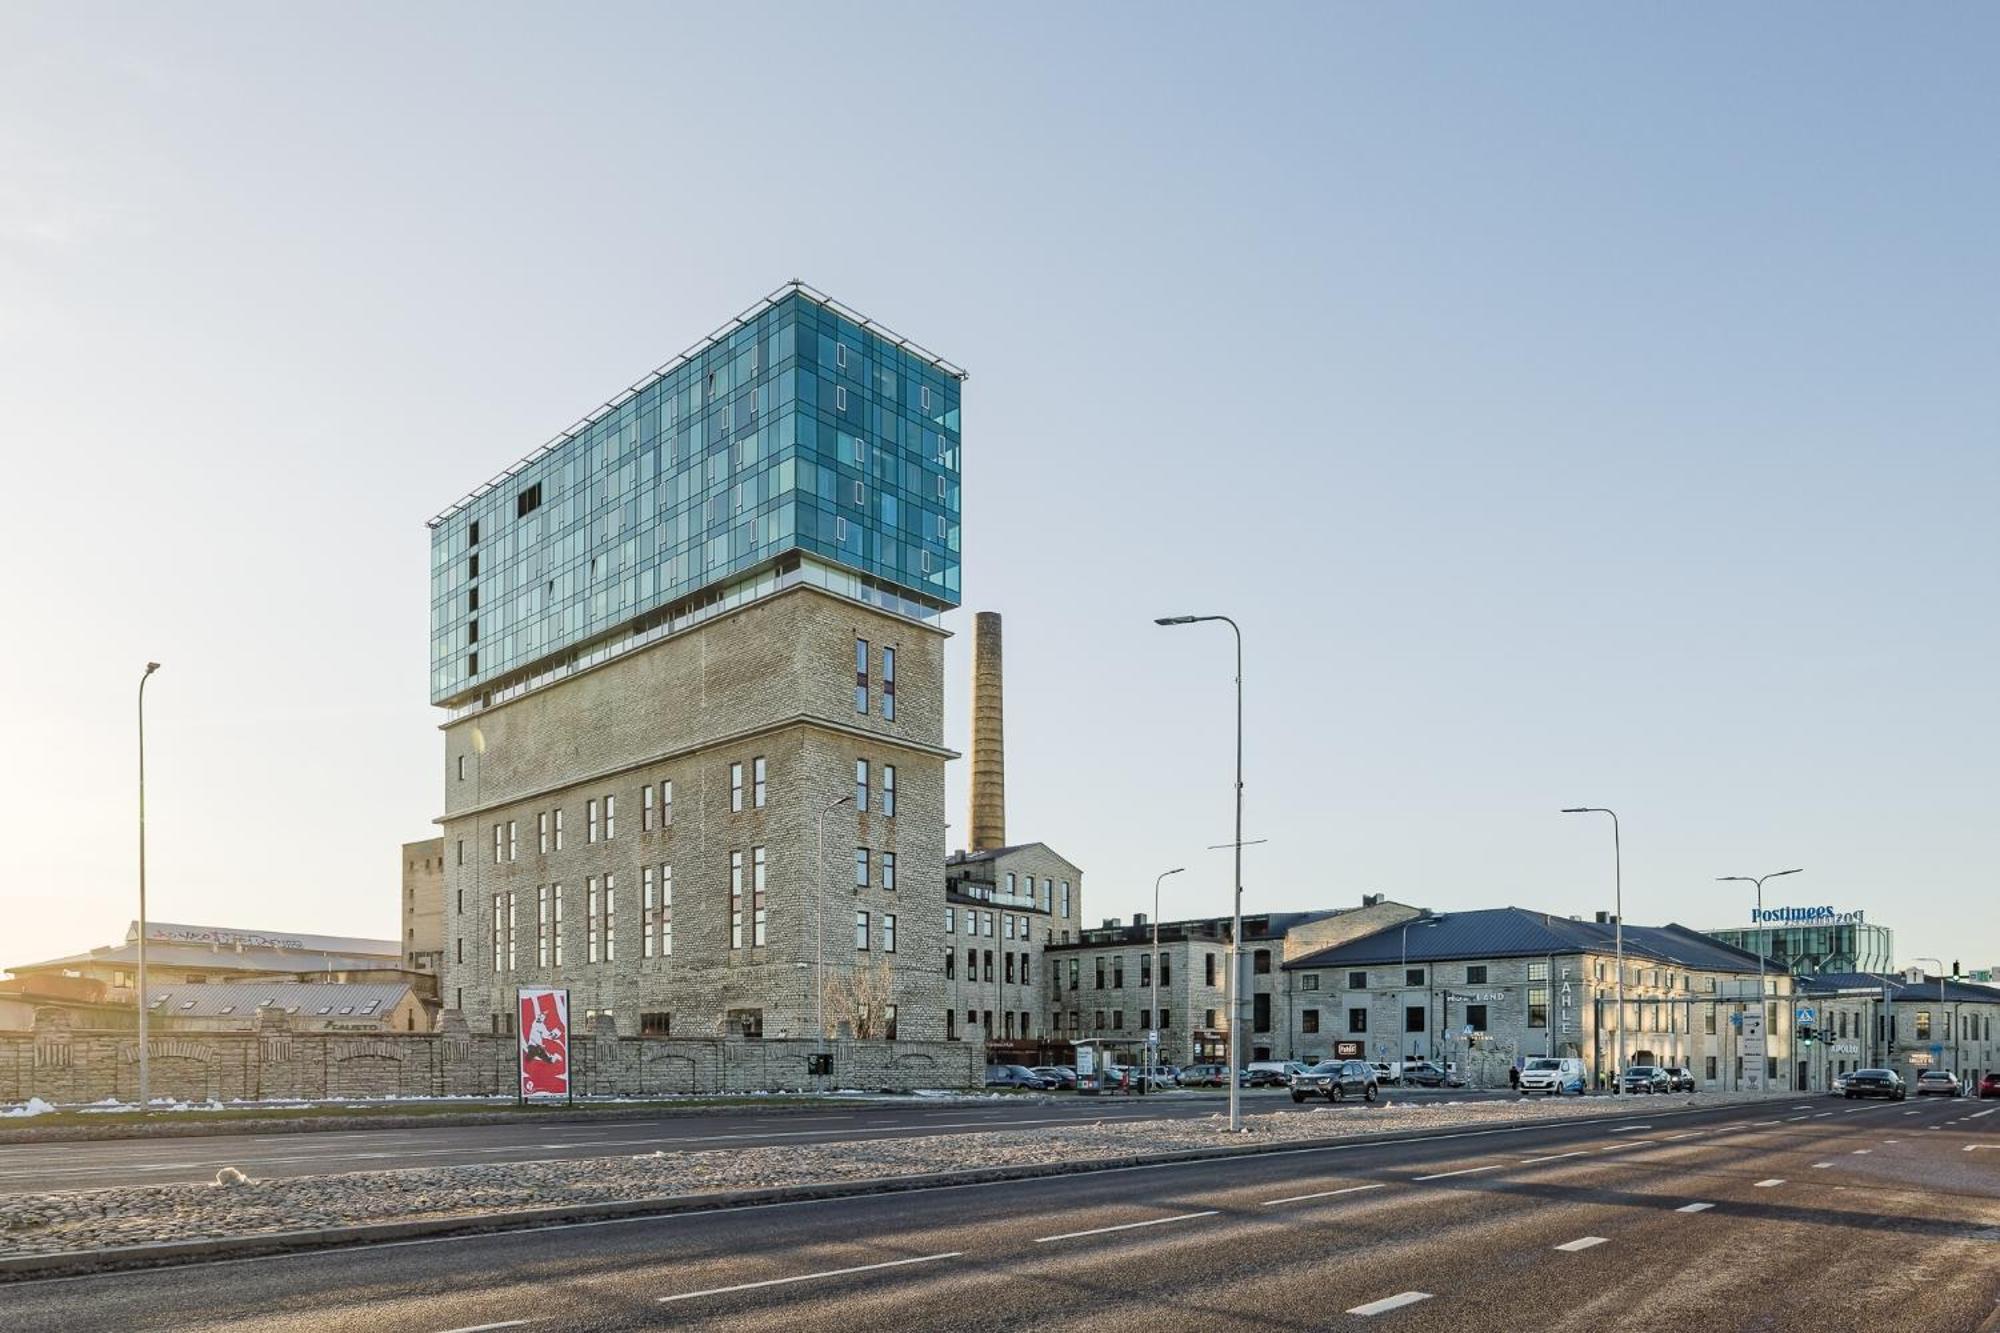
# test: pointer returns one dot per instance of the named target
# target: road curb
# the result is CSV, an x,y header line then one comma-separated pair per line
x,y
26,1267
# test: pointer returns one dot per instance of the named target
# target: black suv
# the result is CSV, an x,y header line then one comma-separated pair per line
x,y
1647,1078
1875,1083
1335,1080
1679,1078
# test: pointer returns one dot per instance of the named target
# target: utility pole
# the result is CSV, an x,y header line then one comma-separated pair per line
x,y
145,1069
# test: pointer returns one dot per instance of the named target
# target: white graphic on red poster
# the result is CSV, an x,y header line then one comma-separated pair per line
x,y
544,1030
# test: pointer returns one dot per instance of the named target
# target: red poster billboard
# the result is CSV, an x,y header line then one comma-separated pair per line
x,y
544,1029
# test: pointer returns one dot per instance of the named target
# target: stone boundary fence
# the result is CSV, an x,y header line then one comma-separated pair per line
x,y
67,1065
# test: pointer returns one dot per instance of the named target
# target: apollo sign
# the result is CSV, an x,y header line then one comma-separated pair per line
x,y
1803,916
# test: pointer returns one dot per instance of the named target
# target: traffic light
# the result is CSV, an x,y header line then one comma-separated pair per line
x,y
1807,1032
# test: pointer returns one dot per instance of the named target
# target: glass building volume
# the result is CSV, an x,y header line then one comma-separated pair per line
x,y
800,443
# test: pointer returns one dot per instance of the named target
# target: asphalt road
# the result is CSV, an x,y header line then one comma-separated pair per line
x,y
39,1167
1809,1214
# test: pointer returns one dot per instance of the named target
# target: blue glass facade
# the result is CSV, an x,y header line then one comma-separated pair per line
x,y
801,429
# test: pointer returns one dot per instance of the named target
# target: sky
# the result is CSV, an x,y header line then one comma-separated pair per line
x,y
1574,404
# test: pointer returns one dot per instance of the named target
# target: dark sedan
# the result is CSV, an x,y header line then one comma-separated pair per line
x,y
1876,1083
1680,1078
1335,1080
1015,1076
1989,1086
1647,1078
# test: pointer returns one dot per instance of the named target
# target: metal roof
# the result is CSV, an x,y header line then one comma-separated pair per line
x,y
1516,932
286,961
1955,992
303,998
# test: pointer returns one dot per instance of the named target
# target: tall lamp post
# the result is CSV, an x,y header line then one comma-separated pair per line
x,y
1236,916
1618,928
1763,929
1941,1014
1423,918
1152,1045
145,1069
819,923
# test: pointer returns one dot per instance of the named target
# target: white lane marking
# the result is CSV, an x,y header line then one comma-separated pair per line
x,y
1761,1123
1988,1111
1975,1147
1581,1243
1694,1208
1771,1183
1630,1143
1862,1152
1323,1194
1910,1113
1793,1119
1821,1166
1672,1138
807,1277
1128,1226
1806,1107
1463,1171
1388,1303
1822,1115
487,1328
1627,1129
1552,1157
1886,1142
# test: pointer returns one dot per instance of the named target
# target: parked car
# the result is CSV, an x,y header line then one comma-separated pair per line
x,y
1135,1076
1939,1082
1425,1074
1270,1073
1205,1076
1840,1083
1335,1080
1014,1076
1875,1083
1679,1078
1056,1076
1386,1072
1646,1078
1989,1086
1554,1074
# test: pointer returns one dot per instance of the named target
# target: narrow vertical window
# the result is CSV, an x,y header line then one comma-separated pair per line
x,y
558,829
592,904
542,925
542,832
649,910
839,360
889,790
461,768
666,911
497,908
510,840
736,900
555,924
499,842
757,782
840,397
757,896
610,917
646,810
861,675
860,867
888,870
861,930
735,787
888,932
667,803
590,820
610,818
510,931
861,785
889,684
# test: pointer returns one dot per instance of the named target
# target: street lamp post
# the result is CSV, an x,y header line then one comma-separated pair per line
x,y
1763,929
1941,1014
145,1070
1154,970
1236,916
1423,918
1618,930
819,923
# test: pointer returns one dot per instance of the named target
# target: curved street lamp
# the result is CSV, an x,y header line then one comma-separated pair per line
x,y
145,1088
1763,930
1153,1046
1618,926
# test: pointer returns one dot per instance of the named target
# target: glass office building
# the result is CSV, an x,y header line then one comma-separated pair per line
x,y
799,444
1810,950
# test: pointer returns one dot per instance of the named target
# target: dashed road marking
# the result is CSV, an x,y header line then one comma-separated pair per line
x,y
1552,1157
1388,1303
1128,1226
1821,1166
1771,1183
807,1277
1464,1171
487,1328
1694,1208
1627,1129
1323,1194
1581,1243
1862,1152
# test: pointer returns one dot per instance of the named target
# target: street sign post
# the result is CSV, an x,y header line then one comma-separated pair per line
x,y
1753,1049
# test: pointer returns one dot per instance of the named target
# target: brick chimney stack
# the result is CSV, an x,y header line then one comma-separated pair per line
x,y
989,755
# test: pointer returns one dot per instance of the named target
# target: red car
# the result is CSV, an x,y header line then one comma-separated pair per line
x,y
1989,1086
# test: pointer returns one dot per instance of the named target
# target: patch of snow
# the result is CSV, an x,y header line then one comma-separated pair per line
x,y
34,1106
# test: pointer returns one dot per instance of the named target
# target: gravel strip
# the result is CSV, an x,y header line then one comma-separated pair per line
x,y
65,1222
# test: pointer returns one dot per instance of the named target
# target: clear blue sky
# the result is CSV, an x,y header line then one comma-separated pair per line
x,y
1576,405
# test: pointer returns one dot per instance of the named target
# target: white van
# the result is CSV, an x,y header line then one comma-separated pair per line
x,y
1553,1074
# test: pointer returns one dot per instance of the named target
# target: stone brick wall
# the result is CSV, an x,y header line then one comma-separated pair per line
x,y
70,1066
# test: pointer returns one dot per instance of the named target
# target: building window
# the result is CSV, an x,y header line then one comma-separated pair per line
x,y
757,783
1475,975
1145,975
666,911
1413,1018
1065,898
757,917
861,676
610,818
1260,962
461,768
736,900
1012,891
499,843
889,684
646,811
1357,981
1923,1025
654,1023
1357,1020
542,833
528,501
888,870
590,820
510,840
610,917
1540,972
1475,1017
950,920
1309,1020
1260,1012
1166,1019
889,791
888,932
1007,924
1208,971
1309,981
860,867
735,787
1538,1006
558,828
1166,970
667,803
510,931
861,786
591,906
649,911
542,926
1413,976
1100,974
861,932
1709,1073
950,967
